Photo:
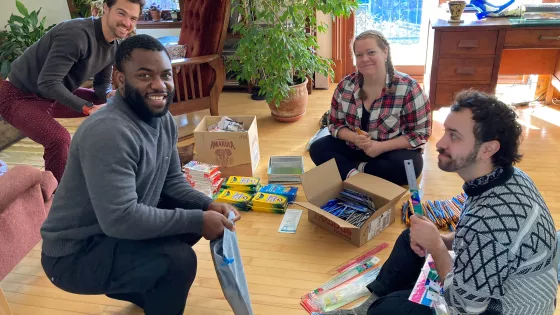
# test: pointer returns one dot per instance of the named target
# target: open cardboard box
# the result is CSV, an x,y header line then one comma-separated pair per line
x,y
236,153
323,183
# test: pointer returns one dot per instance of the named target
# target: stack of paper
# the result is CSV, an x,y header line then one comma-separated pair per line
x,y
203,177
285,169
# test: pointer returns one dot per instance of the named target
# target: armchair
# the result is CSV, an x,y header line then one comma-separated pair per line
x,y
26,195
199,77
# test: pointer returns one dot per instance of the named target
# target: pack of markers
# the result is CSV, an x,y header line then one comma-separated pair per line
x,y
443,213
351,206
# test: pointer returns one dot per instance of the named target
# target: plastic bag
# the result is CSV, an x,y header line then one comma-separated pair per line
x,y
229,268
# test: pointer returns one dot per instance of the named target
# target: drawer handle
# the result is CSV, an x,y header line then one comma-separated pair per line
x,y
468,43
464,70
544,37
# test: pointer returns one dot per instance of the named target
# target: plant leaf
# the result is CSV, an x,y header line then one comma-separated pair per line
x,y
21,8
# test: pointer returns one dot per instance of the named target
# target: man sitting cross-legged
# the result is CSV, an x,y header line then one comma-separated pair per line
x,y
124,219
505,241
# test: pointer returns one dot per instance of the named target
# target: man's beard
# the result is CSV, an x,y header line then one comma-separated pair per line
x,y
114,30
455,164
138,103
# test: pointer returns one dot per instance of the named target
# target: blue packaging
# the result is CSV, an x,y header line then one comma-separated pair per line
x,y
290,192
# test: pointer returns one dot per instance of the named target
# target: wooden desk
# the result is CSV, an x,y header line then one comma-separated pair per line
x,y
473,53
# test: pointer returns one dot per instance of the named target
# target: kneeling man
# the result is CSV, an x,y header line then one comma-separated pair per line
x,y
124,219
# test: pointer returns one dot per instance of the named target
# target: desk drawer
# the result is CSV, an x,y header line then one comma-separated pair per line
x,y
533,38
468,43
467,69
446,92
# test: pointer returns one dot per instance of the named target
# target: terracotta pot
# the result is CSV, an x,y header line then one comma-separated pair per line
x,y
293,108
156,15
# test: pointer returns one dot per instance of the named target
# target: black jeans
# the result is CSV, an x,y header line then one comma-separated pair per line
x,y
154,274
396,280
389,165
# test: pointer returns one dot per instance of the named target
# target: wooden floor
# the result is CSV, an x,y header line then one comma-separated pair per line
x,y
280,268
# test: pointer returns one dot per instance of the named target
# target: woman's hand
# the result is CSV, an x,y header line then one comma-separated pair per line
x,y
362,141
375,148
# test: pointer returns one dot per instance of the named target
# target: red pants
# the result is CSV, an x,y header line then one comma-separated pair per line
x,y
35,117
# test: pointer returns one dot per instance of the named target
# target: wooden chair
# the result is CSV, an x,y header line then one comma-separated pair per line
x,y
199,77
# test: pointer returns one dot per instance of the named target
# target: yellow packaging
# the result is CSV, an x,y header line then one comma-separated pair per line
x,y
268,210
269,201
236,181
236,198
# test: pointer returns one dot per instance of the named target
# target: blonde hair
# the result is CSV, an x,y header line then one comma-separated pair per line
x,y
383,44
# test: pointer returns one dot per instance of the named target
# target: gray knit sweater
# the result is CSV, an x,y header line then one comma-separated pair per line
x,y
118,168
505,246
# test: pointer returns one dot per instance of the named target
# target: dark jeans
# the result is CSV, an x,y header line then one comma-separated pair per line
x,y
154,274
396,280
389,165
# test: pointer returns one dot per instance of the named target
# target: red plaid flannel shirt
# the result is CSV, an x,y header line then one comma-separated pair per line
x,y
405,112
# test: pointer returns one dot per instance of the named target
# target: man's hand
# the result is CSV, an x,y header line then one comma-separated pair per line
x,y
375,148
224,209
213,225
424,235
111,94
361,141
90,110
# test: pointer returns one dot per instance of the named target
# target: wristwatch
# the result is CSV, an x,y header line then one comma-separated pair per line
x,y
87,107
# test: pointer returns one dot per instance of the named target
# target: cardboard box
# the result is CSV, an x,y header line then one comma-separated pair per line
x,y
236,153
323,183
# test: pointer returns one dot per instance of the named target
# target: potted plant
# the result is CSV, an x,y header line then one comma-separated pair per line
x,y
22,31
155,12
97,8
277,49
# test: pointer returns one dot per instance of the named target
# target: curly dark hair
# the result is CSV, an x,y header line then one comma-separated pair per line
x,y
111,3
494,120
142,41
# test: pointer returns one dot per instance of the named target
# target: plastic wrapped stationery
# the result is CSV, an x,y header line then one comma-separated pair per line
x,y
244,184
231,275
238,199
290,192
203,177
263,202
285,169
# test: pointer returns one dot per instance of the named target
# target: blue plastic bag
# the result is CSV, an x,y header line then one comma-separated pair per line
x,y
229,268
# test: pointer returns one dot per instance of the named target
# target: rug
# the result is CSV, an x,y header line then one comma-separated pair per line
x,y
8,134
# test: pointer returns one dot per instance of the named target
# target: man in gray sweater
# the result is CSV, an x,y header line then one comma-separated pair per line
x,y
44,82
124,219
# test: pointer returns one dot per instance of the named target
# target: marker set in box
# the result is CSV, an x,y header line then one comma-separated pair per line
x,y
351,206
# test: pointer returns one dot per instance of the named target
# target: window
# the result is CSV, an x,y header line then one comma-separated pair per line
x,y
164,4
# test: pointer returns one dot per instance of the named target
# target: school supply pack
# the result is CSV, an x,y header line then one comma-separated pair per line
x,y
351,206
348,284
444,214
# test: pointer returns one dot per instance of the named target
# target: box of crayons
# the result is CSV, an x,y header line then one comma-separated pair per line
x,y
238,199
244,184
263,202
290,192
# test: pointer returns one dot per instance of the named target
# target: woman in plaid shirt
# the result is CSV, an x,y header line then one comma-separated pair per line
x,y
388,106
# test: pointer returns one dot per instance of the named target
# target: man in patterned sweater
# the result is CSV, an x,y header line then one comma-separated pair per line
x,y
505,242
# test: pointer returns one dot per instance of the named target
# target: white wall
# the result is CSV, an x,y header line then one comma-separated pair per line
x,y
56,11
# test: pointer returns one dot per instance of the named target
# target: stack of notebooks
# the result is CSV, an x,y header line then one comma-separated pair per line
x,y
285,169
203,177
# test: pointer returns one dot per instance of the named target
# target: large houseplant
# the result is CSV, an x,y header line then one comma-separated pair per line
x,y
277,49
24,30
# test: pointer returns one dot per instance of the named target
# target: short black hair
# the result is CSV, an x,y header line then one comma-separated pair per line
x,y
494,120
111,3
141,41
